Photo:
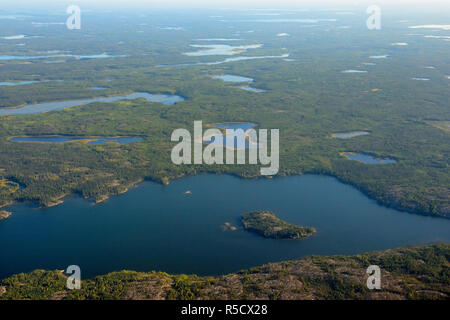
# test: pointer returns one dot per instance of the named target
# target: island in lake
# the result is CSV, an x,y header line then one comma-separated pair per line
x,y
265,223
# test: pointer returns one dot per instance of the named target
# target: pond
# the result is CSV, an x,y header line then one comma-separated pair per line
x,y
367,158
251,89
22,83
228,60
236,142
231,78
87,140
16,83
349,135
80,57
354,71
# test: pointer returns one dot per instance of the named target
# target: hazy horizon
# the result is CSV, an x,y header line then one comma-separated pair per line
x,y
27,5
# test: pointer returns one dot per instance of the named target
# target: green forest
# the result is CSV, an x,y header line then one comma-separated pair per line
x,y
407,273
307,98
265,223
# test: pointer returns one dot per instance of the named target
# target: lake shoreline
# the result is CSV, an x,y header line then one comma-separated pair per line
x,y
95,98
162,220
273,279
167,179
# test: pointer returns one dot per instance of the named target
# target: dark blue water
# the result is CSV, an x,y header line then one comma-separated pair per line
x,y
62,139
59,105
156,227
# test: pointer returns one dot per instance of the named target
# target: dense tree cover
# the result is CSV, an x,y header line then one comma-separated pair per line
x,y
406,273
268,225
307,99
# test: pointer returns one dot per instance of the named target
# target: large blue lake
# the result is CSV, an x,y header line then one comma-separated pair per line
x,y
156,227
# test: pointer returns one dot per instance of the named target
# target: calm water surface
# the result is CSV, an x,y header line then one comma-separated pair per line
x,y
231,78
22,83
349,135
232,141
250,89
156,227
80,57
219,50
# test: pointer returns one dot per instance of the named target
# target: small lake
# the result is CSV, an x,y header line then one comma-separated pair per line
x,y
22,83
250,89
16,83
235,125
291,20
239,79
367,158
219,39
59,105
87,140
231,78
219,50
354,71
15,37
156,227
228,60
349,135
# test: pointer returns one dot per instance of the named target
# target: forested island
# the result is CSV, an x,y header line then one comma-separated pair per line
x,y
421,272
266,224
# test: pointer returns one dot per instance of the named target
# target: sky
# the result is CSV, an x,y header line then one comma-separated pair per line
x,y
18,4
